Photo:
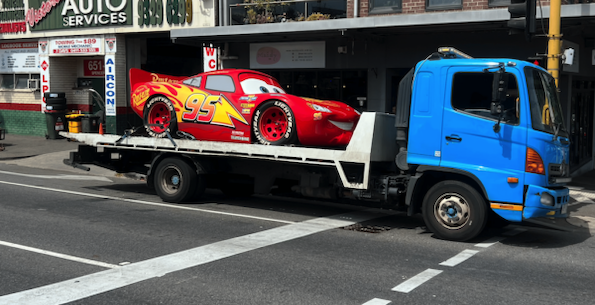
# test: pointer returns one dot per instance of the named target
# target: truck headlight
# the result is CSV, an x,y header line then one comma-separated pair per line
x,y
547,199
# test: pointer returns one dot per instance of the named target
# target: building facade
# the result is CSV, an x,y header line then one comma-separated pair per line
x,y
355,51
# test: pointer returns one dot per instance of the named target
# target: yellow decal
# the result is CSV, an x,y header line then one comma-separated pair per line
x,y
510,207
156,78
211,109
247,105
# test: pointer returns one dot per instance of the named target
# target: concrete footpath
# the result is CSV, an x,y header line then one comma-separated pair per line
x,y
37,152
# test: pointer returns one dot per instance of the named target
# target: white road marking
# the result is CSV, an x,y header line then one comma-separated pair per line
x,y
459,258
61,177
180,207
377,301
93,284
416,281
490,242
581,197
59,255
583,222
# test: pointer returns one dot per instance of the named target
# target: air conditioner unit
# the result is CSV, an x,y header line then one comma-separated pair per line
x,y
33,84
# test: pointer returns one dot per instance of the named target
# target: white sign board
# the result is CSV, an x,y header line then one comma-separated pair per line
x,y
76,46
19,57
309,54
209,56
110,85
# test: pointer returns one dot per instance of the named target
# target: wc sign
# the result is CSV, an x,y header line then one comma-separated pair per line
x,y
110,85
210,58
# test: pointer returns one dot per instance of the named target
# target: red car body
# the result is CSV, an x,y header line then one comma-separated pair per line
x,y
237,105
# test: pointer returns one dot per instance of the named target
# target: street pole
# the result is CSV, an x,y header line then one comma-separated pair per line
x,y
553,55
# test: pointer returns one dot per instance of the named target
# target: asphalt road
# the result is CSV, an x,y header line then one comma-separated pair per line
x,y
79,239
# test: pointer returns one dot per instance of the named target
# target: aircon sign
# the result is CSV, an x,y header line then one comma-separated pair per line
x,y
65,14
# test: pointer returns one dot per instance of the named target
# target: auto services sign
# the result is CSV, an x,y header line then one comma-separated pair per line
x,y
70,14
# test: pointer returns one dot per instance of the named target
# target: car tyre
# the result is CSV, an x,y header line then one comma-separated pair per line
x,y
160,117
177,181
454,210
274,124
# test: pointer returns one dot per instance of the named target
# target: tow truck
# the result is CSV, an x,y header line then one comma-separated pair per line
x,y
473,140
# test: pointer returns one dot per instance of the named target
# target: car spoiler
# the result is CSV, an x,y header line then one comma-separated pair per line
x,y
138,76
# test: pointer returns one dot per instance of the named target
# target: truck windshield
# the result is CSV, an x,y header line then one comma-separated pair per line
x,y
546,112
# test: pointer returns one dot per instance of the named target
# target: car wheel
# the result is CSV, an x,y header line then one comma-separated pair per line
x,y
160,117
274,124
177,181
454,211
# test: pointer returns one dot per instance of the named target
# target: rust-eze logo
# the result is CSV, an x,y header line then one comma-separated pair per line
x,y
141,94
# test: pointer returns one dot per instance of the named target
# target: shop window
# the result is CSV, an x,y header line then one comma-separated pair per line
x,y
443,4
385,6
472,93
269,11
16,81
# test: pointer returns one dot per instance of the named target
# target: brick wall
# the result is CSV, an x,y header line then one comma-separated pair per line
x,y
419,7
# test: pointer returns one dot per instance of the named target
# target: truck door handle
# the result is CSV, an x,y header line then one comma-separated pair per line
x,y
454,138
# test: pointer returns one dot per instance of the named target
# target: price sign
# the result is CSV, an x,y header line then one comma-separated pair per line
x,y
94,67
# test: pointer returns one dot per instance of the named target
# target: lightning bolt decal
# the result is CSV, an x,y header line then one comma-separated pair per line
x,y
224,112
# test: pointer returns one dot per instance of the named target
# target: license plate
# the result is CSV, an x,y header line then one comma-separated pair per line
x,y
564,209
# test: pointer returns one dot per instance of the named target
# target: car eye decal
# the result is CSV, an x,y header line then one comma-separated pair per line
x,y
263,89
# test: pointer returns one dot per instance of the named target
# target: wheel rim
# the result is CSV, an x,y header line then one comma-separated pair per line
x,y
452,211
159,114
273,124
172,179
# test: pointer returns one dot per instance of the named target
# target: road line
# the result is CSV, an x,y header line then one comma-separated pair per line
x,y
377,301
459,258
59,255
93,284
490,242
62,177
180,207
417,280
581,197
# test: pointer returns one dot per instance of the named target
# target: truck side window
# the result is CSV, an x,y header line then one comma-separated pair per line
x,y
472,93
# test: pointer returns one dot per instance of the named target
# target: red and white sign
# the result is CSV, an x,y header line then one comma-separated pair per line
x,y
76,46
94,67
210,58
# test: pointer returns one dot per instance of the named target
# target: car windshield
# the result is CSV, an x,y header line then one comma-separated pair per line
x,y
546,111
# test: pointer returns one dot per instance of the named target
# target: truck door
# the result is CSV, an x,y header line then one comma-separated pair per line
x,y
472,144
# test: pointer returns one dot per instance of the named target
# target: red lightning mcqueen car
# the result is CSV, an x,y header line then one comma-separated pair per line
x,y
235,105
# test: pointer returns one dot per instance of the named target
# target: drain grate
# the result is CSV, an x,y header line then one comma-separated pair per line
x,y
366,228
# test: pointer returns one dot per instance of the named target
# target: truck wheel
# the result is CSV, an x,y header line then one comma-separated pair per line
x,y
454,211
177,181
160,117
274,124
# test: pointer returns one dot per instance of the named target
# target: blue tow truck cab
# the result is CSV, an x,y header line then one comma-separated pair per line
x,y
481,133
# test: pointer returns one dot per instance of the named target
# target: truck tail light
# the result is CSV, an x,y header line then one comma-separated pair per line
x,y
534,163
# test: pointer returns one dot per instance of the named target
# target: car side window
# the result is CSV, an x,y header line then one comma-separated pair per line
x,y
195,81
472,93
220,83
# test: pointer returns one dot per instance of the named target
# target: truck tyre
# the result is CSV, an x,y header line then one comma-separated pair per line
x,y
160,117
177,181
454,210
274,124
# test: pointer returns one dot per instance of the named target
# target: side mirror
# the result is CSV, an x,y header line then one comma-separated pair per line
x,y
499,87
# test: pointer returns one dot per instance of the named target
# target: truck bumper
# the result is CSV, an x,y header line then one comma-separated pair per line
x,y
540,202
544,202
